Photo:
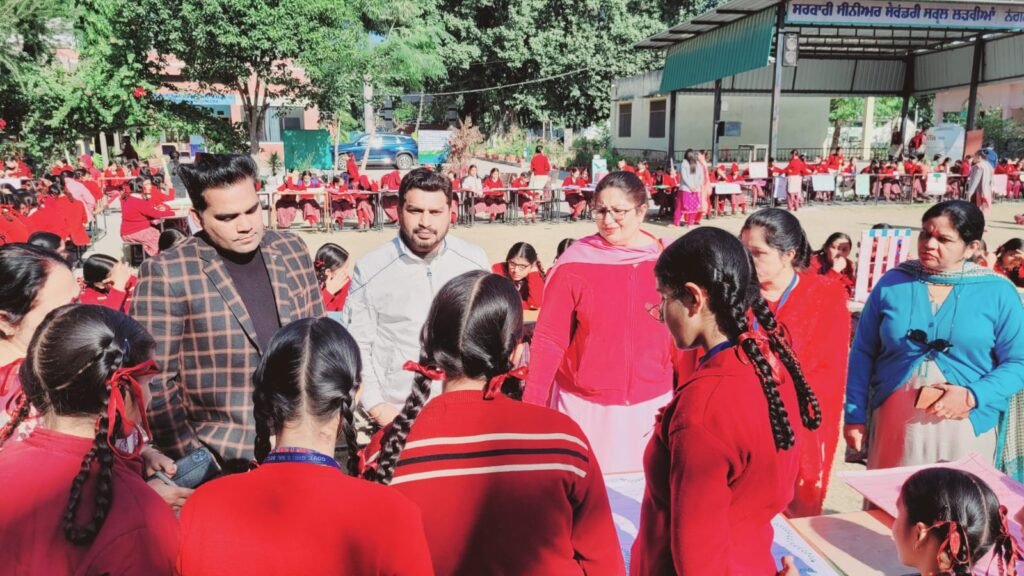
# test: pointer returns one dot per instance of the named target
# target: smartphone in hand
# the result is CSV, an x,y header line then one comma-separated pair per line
x,y
927,396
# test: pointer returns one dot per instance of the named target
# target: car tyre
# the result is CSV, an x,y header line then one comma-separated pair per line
x,y
404,161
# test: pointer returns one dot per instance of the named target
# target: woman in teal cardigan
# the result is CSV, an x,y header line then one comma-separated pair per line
x,y
944,323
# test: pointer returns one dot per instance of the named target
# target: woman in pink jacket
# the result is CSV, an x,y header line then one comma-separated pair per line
x,y
597,353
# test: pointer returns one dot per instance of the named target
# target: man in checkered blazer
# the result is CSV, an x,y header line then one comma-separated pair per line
x,y
212,304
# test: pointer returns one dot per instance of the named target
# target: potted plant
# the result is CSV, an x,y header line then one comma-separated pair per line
x,y
274,162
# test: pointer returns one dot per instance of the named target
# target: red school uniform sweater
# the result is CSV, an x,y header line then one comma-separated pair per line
x,y
12,229
714,478
595,339
139,536
48,219
300,518
335,302
506,488
75,217
818,324
533,295
539,165
113,298
391,181
137,215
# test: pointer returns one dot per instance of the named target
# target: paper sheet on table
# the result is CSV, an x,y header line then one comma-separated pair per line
x,y
882,488
626,492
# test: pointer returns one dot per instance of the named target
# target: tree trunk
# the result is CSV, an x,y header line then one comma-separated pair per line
x,y
419,117
254,131
369,143
337,139
836,134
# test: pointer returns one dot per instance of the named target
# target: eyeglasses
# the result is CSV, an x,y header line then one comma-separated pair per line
x,y
657,311
618,214
519,267
939,345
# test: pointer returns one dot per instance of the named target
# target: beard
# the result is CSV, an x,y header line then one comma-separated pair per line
x,y
422,247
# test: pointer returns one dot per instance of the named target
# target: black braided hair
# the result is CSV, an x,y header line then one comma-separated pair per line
x,y
717,262
937,496
394,439
473,326
67,372
261,446
104,495
782,430
21,412
810,410
311,370
348,432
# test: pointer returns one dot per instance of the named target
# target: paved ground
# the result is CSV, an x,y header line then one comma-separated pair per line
x,y
818,221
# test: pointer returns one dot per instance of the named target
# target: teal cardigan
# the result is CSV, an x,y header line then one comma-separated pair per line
x,y
982,317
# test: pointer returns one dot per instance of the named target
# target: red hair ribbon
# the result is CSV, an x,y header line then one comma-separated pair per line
x,y
956,542
116,405
494,385
761,341
1006,549
429,372
318,264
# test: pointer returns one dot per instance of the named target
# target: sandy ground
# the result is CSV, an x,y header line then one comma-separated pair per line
x,y
818,221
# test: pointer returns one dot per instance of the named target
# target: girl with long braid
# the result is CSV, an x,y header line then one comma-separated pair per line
x,y
948,520
300,511
812,308
84,374
722,459
505,487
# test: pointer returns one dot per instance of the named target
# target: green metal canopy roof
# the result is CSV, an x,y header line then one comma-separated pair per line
x,y
722,52
738,36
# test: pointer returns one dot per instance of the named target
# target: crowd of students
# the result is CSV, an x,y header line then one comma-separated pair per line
x,y
735,349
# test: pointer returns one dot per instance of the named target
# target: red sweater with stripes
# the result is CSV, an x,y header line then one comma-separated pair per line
x,y
506,488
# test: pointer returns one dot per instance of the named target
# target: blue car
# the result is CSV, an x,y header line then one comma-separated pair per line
x,y
396,150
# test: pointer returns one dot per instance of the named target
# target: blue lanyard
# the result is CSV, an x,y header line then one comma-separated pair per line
x,y
290,455
715,350
782,301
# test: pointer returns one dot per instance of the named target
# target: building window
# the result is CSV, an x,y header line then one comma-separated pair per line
x,y
291,123
656,127
625,120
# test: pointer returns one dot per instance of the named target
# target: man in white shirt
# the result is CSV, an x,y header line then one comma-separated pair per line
x,y
393,287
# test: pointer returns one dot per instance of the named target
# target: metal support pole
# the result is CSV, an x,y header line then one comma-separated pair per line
x,y
908,90
773,130
672,126
972,100
717,119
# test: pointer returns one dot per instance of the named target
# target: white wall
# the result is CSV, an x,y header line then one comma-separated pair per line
x,y
803,122
639,135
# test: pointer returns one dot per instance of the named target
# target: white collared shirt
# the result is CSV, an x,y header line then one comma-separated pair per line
x,y
392,289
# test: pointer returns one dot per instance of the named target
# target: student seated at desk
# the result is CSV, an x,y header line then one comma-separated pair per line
x,y
527,198
888,181
287,205
494,196
665,197
573,194
1013,184
308,203
949,519
736,201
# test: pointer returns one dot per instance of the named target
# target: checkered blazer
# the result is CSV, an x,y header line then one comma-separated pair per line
x,y
206,344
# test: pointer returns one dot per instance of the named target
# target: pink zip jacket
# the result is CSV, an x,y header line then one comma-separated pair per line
x,y
594,337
